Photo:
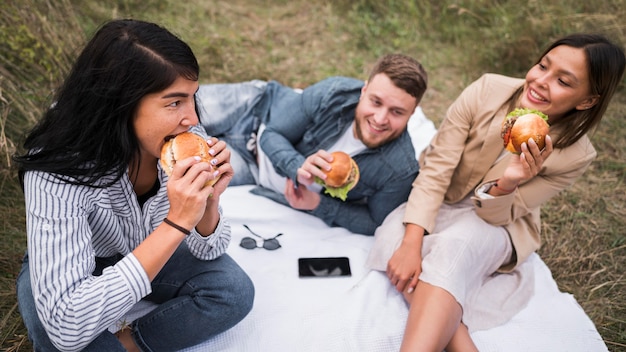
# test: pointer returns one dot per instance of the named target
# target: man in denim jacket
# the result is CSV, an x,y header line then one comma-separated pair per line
x,y
297,130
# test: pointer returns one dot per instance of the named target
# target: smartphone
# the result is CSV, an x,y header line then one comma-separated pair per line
x,y
324,267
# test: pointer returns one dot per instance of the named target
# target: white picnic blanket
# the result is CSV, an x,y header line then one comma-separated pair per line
x,y
362,312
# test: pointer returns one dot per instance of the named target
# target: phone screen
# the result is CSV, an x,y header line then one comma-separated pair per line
x,y
324,267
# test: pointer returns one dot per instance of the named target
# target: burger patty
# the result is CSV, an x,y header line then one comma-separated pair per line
x,y
352,177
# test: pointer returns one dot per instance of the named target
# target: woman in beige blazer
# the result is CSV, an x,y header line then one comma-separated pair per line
x,y
474,207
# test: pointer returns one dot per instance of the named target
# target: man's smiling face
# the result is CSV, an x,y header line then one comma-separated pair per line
x,y
383,111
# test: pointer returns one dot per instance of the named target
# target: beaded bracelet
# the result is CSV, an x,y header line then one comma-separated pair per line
x,y
176,226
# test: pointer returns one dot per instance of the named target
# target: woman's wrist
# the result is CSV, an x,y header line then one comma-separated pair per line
x,y
209,222
505,187
413,236
177,226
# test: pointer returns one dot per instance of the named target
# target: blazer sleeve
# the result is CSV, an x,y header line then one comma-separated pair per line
x,y
519,212
441,158
567,166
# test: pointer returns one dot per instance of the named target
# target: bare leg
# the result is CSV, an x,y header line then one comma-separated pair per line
x,y
127,340
461,341
434,318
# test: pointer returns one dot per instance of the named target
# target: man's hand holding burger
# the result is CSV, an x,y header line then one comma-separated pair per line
x,y
313,167
336,171
301,197
342,175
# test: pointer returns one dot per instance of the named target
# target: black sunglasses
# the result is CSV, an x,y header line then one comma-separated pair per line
x,y
268,243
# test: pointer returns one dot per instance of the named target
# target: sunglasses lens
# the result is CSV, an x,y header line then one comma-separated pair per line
x,y
271,244
248,243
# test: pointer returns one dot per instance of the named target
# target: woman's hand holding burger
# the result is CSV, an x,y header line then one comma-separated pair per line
x,y
221,163
527,164
525,133
199,171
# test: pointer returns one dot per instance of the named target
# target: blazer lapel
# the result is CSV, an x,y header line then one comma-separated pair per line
x,y
493,145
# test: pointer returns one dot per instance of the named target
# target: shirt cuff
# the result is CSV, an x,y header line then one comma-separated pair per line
x,y
213,238
135,276
481,191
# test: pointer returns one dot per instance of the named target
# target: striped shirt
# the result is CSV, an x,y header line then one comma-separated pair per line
x,y
68,226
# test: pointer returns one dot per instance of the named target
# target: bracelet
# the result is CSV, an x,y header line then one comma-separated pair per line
x,y
177,227
504,190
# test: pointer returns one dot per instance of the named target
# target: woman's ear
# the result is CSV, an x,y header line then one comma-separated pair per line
x,y
588,103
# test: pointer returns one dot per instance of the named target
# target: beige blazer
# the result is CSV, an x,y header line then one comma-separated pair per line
x,y
463,156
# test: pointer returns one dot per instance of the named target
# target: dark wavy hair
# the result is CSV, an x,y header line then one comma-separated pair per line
x,y
87,132
605,68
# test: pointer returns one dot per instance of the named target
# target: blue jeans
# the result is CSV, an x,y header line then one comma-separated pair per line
x,y
196,300
228,111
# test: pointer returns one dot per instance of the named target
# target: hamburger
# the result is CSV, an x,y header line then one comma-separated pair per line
x,y
342,176
522,124
185,145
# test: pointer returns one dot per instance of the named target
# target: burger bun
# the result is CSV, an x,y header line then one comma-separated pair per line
x,y
182,146
518,130
343,171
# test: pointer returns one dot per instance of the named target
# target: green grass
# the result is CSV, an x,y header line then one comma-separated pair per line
x,y
300,42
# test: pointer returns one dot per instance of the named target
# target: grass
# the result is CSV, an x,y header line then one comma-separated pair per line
x,y
300,42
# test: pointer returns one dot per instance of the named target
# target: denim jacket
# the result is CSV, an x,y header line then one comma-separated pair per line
x,y
299,124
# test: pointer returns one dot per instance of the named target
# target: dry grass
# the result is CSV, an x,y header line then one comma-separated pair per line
x,y
584,237
299,42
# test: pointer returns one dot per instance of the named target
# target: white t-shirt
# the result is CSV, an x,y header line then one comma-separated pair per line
x,y
268,177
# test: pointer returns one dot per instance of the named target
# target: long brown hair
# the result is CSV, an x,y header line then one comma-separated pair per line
x,y
605,65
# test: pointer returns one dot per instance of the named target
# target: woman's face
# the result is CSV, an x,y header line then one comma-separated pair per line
x,y
559,83
164,114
